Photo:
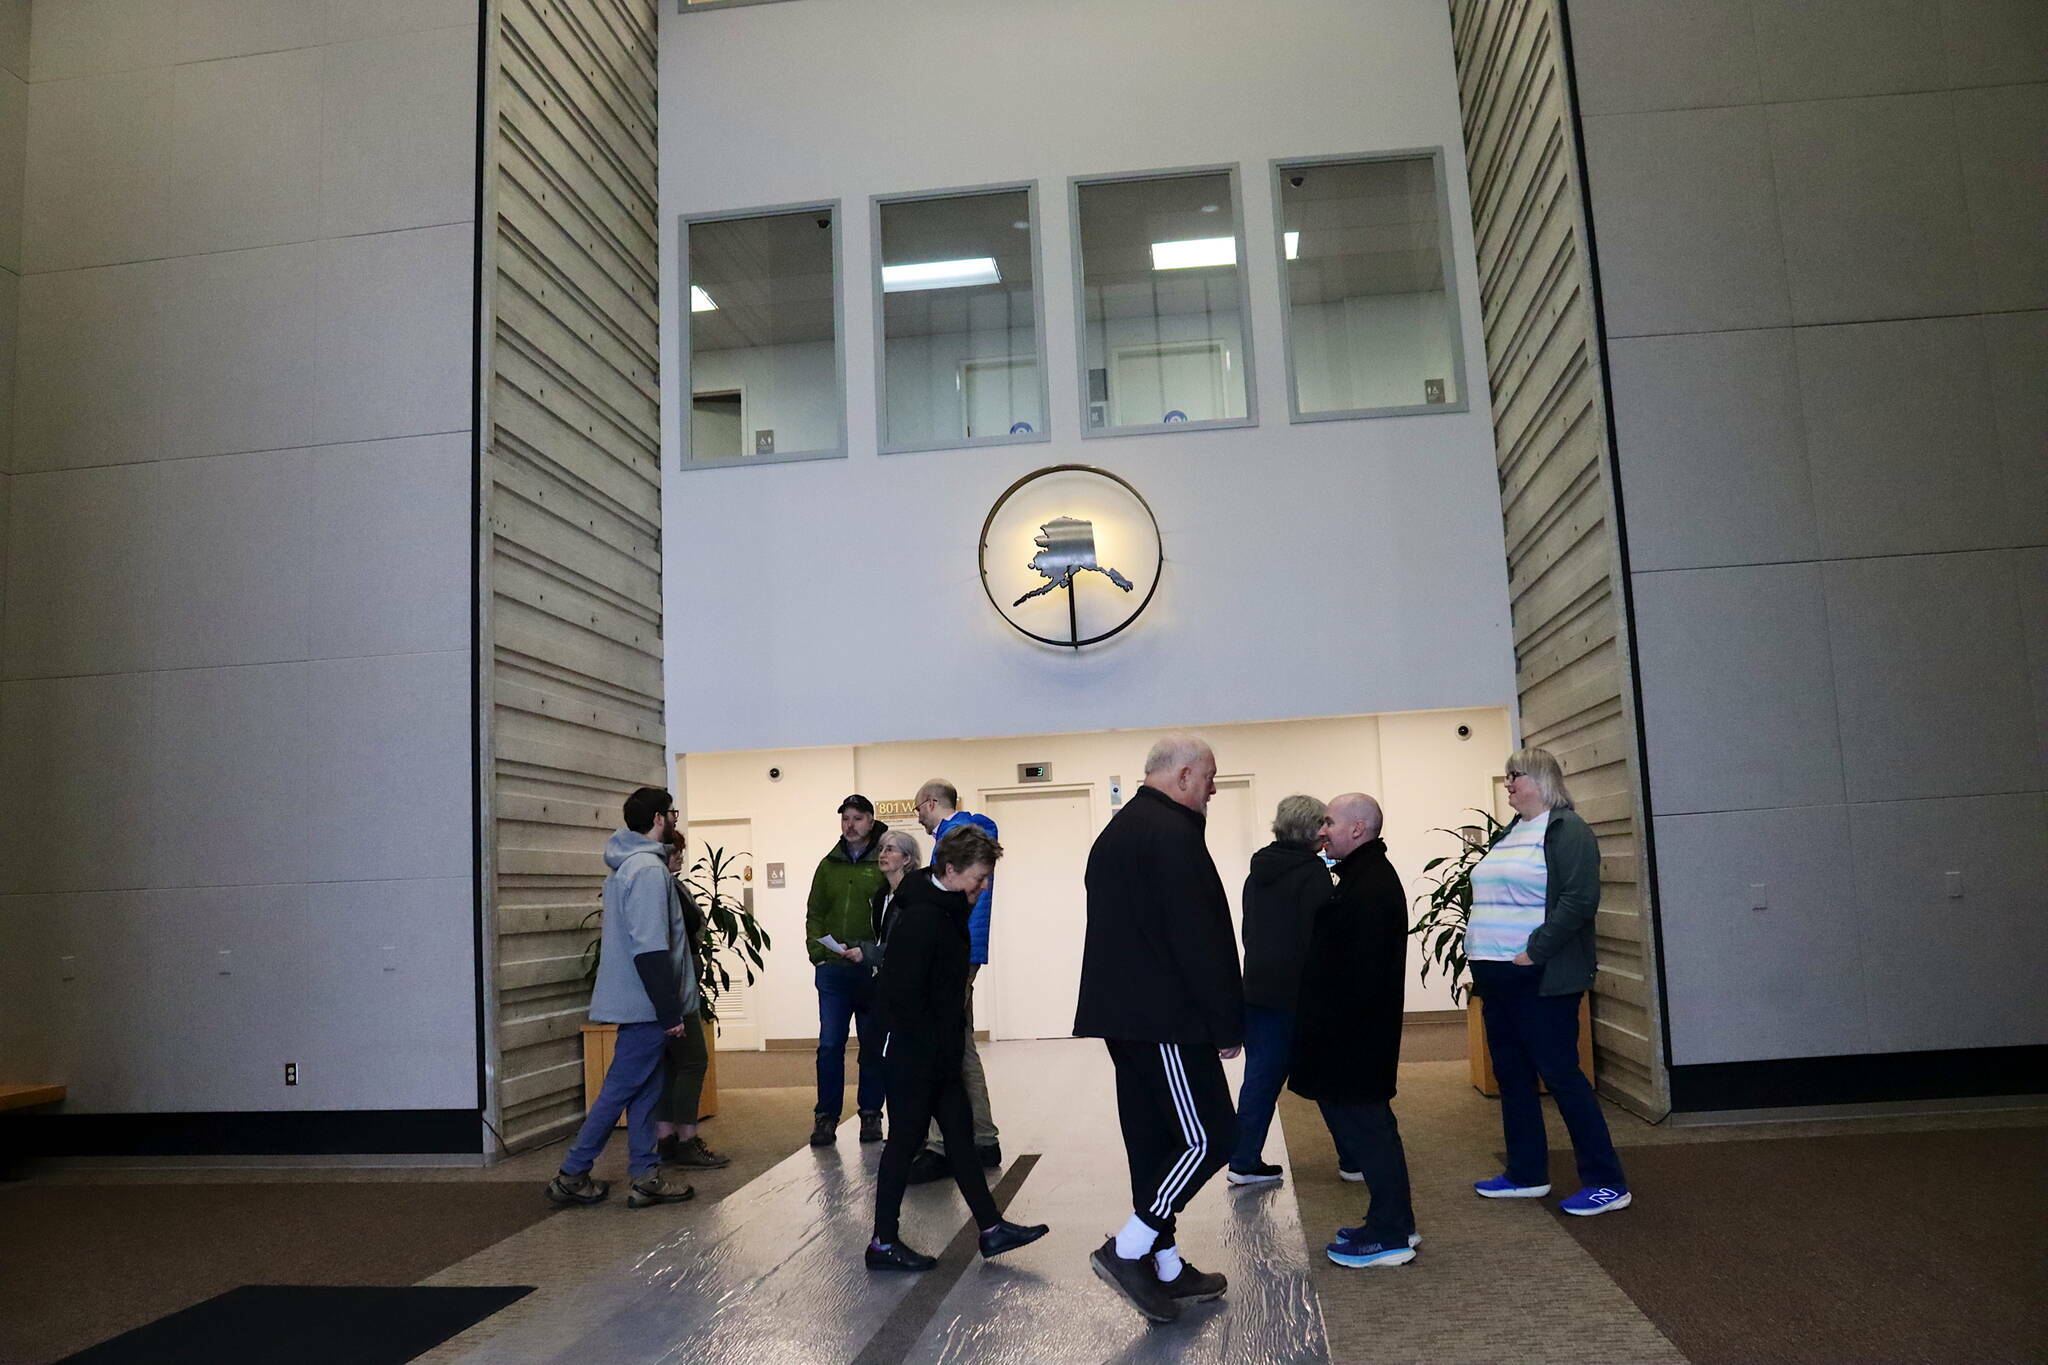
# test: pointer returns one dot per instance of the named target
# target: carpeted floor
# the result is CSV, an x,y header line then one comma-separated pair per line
x,y
80,1263
1809,1251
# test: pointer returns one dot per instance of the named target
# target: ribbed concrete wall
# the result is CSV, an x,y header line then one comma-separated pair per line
x,y
572,542
1557,502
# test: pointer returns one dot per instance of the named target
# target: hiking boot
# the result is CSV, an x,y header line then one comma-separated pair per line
x,y
1192,1285
692,1154
1136,1280
652,1190
897,1256
928,1166
870,1126
825,1130
577,1189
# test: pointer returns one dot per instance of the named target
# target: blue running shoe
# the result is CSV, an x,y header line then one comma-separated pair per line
x,y
1357,1234
1596,1199
1500,1187
1347,1252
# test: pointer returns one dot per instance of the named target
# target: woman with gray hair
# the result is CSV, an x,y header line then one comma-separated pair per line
x,y
1289,882
1529,940
897,856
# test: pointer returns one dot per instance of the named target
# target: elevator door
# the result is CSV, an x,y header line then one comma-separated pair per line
x,y
1040,915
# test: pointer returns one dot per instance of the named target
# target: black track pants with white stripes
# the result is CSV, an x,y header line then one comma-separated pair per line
x,y
1179,1124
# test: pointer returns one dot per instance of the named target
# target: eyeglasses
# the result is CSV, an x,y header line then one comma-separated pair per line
x,y
1512,774
671,812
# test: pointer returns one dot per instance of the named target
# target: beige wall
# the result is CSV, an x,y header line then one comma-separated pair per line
x,y
1424,775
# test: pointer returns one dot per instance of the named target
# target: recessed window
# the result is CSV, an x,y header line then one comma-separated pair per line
x,y
1165,343
958,320
1372,319
764,366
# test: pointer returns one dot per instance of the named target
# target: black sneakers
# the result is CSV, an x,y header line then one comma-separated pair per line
x,y
991,1155
577,1189
652,1190
928,1166
1192,1285
824,1130
691,1154
897,1256
1009,1236
1137,1280
870,1126
1264,1173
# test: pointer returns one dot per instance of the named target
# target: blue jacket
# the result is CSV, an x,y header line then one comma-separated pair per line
x,y
977,921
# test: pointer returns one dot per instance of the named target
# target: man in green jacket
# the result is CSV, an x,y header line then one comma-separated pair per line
x,y
841,908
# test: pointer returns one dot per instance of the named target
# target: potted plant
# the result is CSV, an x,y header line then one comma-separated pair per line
x,y
720,923
1447,909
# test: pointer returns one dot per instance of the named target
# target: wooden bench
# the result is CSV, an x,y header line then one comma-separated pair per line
x,y
29,1096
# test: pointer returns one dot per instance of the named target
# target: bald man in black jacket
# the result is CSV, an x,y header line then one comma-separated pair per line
x,y
1160,985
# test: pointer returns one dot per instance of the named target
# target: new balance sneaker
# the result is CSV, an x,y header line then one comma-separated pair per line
x,y
1264,1173
1347,1252
870,1125
694,1155
1357,1234
1192,1285
1007,1236
1595,1199
1500,1187
1137,1280
824,1130
652,1190
577,1189
897,1256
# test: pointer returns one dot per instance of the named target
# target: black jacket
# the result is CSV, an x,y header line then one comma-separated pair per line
x,y
1160,962
922,988
1287,885
1347,1028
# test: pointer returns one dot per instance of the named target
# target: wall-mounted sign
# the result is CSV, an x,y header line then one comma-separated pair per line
x,y
1070,555
895,810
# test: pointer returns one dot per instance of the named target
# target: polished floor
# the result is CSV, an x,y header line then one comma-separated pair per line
x,y
773,1274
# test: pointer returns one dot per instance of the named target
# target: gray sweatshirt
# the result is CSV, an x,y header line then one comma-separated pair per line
x,y
642,914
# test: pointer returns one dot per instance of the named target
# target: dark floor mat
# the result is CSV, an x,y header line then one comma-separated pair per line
x,y
1871,1248
283,1324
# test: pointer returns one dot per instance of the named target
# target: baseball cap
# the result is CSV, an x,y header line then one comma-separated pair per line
x,y
857,802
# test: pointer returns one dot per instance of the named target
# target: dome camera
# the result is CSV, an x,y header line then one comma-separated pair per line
x,y
1464,732
1295,180
825,220
775,774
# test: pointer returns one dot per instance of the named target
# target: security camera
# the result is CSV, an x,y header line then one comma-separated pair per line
x,y
1295,180
775,774
1464,732
825,221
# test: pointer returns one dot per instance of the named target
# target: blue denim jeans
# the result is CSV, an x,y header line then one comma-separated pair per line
x,y
633,1084
1268,1048
1533,1035
846,995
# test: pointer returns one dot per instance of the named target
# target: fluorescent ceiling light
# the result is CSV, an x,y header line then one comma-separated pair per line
x,y
1192,254
1293,245
700,302
897,279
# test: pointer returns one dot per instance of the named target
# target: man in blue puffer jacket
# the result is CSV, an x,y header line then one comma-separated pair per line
x,y
938,810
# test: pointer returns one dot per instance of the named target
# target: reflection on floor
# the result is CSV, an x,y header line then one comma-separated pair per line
x,y
773,1274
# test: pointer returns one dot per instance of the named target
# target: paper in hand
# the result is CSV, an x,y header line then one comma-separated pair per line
x,y
834,944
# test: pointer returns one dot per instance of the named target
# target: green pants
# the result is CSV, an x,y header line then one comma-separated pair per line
x,y
688,1061
977,1091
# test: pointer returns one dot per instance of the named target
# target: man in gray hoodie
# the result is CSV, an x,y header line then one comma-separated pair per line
x,y
647,985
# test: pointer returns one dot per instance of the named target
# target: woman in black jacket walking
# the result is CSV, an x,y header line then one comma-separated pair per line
x,y
923,997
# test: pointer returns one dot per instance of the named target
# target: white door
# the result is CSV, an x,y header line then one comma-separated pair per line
x,y
1041,909
1188,377
998,393
739,1025
1233,833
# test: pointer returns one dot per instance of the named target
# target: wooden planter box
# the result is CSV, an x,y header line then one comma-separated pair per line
x,y
1483,1079
600,1039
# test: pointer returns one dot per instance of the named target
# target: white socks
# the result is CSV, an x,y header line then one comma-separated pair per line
x,y
1135,1238
1169,1264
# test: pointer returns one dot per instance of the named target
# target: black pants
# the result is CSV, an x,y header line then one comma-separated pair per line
x,y
922,1089
1179,1125
1368,1135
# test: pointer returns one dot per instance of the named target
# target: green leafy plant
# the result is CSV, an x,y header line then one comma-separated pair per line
x,y
1448,903
726,926
729,927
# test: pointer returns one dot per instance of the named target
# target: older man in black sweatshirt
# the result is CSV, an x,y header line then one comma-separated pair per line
x,y
1160,985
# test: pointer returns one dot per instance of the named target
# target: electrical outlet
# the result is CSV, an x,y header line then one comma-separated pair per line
x,y
291,1073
